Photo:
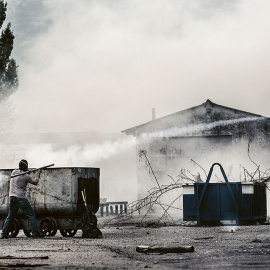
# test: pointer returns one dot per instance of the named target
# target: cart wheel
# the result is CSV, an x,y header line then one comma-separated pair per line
x,y
14,228
68,232
28,233
48,226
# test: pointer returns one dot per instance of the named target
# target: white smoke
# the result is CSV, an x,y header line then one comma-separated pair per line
x,y
196,128
76,155
116,159
90,154
107,63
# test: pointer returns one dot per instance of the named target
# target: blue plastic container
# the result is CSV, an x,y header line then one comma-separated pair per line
x,y
214,202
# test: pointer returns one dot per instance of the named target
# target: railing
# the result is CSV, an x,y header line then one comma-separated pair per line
x,y
112,208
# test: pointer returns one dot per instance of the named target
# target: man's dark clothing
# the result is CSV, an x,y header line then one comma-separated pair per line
x,y
17,200
14,205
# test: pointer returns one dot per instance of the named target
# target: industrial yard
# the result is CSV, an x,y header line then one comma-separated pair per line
x,y
126,189
221,247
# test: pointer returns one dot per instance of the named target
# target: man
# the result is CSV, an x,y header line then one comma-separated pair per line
x,y
17,199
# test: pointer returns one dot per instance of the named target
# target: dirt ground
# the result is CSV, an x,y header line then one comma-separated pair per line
x,y
224,247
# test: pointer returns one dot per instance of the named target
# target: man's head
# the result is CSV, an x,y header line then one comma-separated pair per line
x,y
23,165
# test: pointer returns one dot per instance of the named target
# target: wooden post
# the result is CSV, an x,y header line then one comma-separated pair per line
x,y
121,209
107,210
116,209
111,209
156,249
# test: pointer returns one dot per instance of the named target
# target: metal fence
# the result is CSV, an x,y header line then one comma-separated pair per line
x,y
112,208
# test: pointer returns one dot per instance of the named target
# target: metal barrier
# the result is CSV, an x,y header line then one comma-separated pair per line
x,y
113,208
211,203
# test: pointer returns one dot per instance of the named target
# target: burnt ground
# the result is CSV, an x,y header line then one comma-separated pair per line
x,y
224,247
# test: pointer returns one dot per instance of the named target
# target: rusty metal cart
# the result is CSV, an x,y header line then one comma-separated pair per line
x,y
56,200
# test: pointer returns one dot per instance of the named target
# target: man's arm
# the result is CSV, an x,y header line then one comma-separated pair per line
x,y
36,179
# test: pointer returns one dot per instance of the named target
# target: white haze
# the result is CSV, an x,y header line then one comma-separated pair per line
x,y
77,155
102,65
191,129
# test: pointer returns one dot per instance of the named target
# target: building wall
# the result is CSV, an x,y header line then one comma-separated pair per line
x,y
238,146
168,156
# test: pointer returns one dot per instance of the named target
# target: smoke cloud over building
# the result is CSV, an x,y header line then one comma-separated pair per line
x,y
102,65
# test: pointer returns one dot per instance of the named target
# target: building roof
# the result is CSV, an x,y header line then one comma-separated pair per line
x,y
207,112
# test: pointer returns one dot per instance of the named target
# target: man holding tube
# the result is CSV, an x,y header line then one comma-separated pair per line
x,y
18,200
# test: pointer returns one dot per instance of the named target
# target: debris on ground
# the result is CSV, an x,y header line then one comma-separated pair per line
x,y
89,221
162,250
203,238
89,225
23,258
256,240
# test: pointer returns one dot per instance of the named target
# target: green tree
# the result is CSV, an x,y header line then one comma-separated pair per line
x,y
8,68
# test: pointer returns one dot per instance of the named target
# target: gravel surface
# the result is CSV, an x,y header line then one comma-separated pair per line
x,y
224,247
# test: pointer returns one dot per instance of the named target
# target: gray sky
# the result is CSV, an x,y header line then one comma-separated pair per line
x,y
102,65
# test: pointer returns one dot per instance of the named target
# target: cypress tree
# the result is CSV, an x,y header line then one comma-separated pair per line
x,y
8,68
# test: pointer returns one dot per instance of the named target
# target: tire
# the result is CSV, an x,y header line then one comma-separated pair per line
x,y
14,228
48,226
28,233
68,232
